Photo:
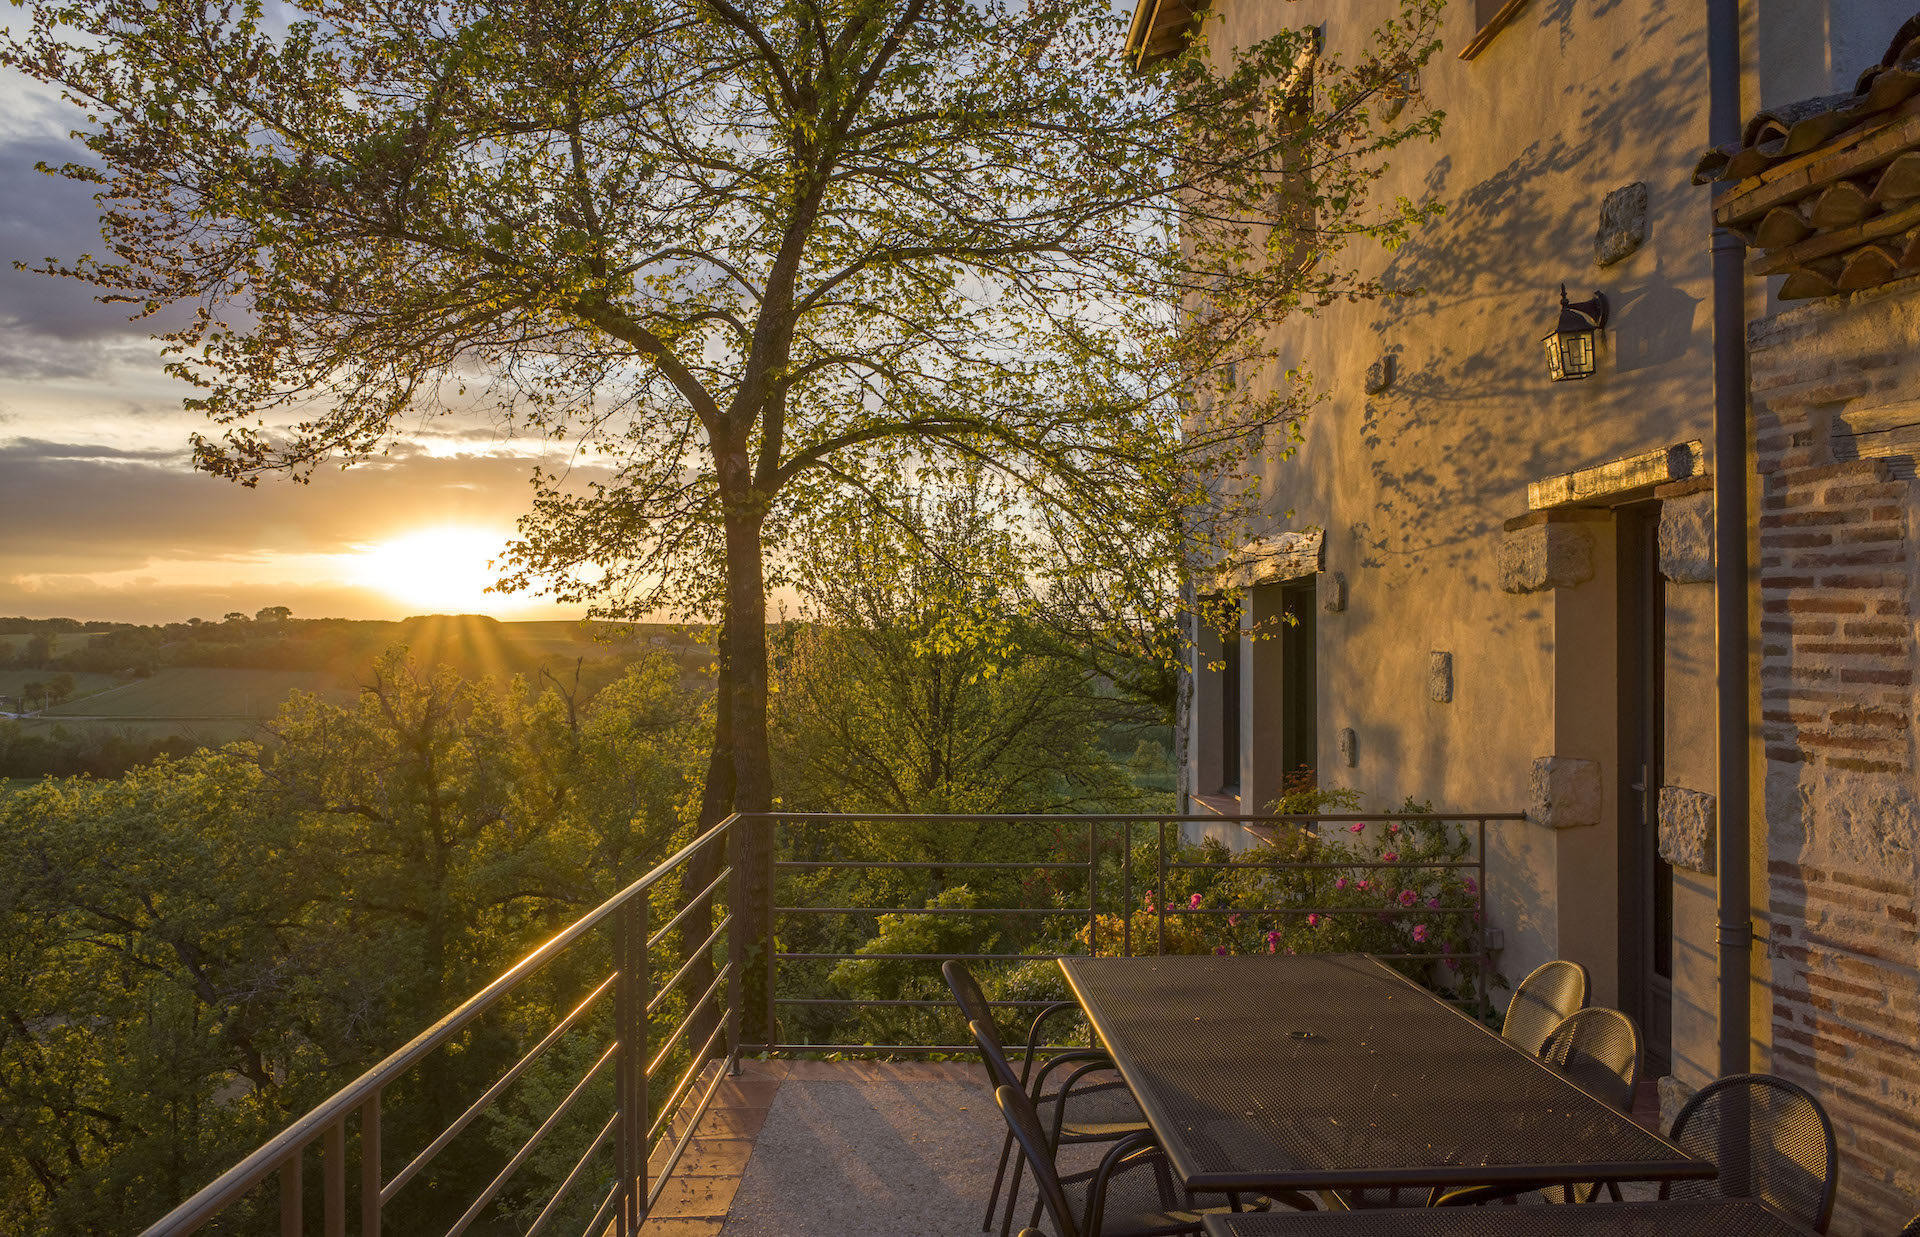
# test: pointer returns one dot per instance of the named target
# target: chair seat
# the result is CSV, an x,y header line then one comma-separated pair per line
x,y
1096,1112
1144,1200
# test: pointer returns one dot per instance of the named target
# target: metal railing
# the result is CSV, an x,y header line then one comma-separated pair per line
x,y
635,1057
1098,854
1080,870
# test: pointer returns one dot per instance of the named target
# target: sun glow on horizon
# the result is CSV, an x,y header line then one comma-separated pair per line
x,y
441,569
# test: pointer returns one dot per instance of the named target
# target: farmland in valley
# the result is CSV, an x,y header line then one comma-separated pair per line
x,y
202,693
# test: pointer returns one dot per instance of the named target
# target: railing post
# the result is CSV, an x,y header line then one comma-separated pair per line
x,y
1093,901
1126,889
290,1188
333,1179
750,845
736,960
1480,923
370,1183
1160,896
629,1012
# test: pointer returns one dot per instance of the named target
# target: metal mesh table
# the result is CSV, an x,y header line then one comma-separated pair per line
x,y
1335,1072
1727,1218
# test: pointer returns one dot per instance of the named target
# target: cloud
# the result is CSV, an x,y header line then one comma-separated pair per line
x,y
50,328
98,509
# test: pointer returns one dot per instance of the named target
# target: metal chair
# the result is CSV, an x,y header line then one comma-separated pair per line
x,y
1099,1112
1912,1229
1131,1194
1787,1159
1542,1001
1597,1049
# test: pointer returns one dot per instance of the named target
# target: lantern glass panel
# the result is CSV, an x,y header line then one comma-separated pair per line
x,y
1570,355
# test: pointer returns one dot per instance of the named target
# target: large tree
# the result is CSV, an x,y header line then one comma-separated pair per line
x,y
733,246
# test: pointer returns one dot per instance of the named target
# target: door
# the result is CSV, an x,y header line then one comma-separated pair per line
x,y
1646,881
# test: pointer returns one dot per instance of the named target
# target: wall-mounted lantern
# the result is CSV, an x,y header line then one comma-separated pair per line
x,y
1570,349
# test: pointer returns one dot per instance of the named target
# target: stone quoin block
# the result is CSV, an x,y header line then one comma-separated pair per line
x,y
1623,224
1565,792
1440,676
1332,587
1349,747
1687,828
1686,538
1673,1096
1545,555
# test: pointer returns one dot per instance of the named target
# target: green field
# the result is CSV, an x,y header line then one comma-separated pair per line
x,y
201,694
63,642
11,681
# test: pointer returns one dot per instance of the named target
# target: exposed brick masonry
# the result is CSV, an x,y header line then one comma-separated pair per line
x,y
1837,710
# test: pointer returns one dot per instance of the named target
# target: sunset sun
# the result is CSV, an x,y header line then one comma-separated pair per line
x,y
442,569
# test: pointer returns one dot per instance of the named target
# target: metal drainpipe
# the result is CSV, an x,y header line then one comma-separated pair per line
x,y
1730,611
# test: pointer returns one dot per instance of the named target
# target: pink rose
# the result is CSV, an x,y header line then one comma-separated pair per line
x,y
1313,920
1472,887
1193,904
1390,856
1453,964
1363,884
1420,932
1340,882
1220,950
1434,903
1233,920
1355,828
1273,939
1394,828
1408,897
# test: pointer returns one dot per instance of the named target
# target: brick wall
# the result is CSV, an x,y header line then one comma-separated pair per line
x,y
1837,709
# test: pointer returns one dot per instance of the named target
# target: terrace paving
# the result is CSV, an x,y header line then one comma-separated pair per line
x,y
843,1149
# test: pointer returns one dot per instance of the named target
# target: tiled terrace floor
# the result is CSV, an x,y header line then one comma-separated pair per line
x,y
825,1149
847,1149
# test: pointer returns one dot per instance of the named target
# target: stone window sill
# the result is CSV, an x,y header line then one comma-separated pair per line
x,y
1492,27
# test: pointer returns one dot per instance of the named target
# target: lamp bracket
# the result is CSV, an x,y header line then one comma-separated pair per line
x,y
1593,313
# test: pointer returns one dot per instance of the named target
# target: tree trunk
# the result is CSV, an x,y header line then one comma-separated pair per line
x,y
703,866
752,847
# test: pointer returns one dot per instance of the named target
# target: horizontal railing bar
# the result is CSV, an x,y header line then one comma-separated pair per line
x,y
268,1157
687,1021
692,904
479,1106
679,1091
965,1050
1324,910
1290,866
1123,818
824,1000
527,1148
926,957
926,910
693,1124
693,956
566,1187
924,863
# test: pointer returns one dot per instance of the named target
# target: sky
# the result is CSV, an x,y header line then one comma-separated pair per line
x,y
101,513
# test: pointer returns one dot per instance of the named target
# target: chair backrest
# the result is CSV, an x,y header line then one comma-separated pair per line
x,y
999,1070
1912,1229
974,1006
1599,1049
1025,1125
1542,1001
1787,1159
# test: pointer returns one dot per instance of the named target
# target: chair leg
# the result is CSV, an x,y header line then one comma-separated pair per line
x,y
999,1175
1013,1197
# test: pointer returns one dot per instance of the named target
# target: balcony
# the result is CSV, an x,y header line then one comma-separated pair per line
x,y
651,1037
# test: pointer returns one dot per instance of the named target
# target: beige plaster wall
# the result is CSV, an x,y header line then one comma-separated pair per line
x,y
1413,486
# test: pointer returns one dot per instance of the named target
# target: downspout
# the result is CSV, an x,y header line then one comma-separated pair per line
x,y
1730,602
